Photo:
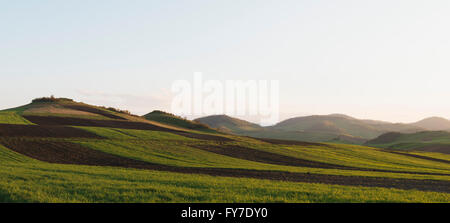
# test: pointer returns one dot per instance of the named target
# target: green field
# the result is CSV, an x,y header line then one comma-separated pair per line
x,y
12,118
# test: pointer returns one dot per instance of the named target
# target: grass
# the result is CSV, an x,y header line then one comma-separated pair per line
x,y
124,134
12,118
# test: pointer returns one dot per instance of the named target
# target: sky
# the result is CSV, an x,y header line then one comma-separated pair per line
x,y
385,60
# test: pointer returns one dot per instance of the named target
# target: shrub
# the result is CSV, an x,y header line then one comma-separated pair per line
x,y
51,99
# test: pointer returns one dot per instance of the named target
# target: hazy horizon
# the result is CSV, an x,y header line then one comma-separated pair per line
x,y
383,60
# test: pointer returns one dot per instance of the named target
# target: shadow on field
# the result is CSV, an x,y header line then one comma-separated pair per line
x,y
5,197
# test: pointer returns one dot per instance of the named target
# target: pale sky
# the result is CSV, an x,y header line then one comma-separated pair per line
x,y
387,59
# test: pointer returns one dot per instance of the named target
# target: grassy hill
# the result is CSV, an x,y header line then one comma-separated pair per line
x,y
171,119
49,152
429,141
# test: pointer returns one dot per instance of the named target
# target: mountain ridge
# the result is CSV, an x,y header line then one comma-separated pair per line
x,y
329,128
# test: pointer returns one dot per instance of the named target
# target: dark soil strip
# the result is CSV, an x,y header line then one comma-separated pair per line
x,y
289,142
10,130
278,159
70,153
95,111
420,157
58,121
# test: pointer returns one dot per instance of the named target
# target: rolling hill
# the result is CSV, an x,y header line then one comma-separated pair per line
x,y
428,141
59,150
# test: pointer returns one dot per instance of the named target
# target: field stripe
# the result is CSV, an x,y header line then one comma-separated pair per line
x,y
14,130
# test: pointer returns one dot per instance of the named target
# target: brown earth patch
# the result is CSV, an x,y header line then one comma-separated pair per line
x,y
70,153
70,121
12,130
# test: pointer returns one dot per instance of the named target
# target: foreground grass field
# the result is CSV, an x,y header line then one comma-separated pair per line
x,y
113,157
40,182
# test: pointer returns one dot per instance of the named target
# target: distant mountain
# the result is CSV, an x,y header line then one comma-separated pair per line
x,y
174,120
228,124
343,125
430,141
326,128
434,124
232,125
